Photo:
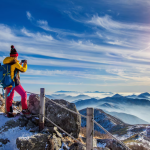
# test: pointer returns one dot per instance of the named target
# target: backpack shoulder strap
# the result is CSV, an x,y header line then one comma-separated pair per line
x,y
13,85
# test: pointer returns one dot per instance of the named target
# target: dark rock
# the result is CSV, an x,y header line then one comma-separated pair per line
x,y
34,104
39,142
76,146
12,123
4,141
30,125
35,129
58,115
52,130
111,144
65,148
35,120
36,142
68,121
23,121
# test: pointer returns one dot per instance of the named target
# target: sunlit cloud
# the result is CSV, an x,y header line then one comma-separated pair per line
x,y
109,24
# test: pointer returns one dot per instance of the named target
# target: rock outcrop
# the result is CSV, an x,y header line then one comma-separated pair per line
x,y
77,146
39,141
48,139
34,104
66,120
111,144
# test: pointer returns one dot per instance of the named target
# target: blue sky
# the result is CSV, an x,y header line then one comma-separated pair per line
x,y
79,45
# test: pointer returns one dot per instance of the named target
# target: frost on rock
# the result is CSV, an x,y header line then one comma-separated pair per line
x,y
64,145
101,145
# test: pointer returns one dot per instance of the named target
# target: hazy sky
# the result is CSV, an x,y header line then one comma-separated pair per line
x,y
101,45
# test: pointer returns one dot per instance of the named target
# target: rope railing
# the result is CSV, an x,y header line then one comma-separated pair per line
x,y
111,135
94,122
64,131
66,108
61,106
84,117
32,93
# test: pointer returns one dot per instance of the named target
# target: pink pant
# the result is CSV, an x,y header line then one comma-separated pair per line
x,y
19,89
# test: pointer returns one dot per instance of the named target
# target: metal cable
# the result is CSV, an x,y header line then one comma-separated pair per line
x,y
32,93
111,135
84,117
66,108
64,131
61,106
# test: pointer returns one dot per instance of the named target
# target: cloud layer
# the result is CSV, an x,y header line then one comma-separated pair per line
x,y
114,53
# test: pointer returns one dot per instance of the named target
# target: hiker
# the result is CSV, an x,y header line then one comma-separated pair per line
x,y
16,67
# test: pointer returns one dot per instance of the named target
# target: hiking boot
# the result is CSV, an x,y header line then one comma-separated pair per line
x,y
10,115
26,112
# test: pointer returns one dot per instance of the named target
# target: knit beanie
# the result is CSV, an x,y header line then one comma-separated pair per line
x,y
13,52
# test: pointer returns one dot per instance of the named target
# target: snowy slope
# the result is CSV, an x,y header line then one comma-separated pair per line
x,y
11,134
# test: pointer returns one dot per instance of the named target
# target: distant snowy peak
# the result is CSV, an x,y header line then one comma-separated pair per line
x,y
86,103
132,96
117,95
98,92
143,95
68,97
61,91
109,105
128,118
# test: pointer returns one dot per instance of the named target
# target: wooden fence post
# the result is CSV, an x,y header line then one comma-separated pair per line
x,y
5,101
89,129
42,109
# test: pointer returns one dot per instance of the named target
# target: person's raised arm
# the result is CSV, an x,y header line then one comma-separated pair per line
x,y
22,68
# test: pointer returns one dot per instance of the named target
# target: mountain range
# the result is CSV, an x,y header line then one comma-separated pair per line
x,y
105,120
129,110
127,118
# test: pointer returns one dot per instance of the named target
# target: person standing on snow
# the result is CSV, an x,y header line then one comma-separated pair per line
x,y
16,67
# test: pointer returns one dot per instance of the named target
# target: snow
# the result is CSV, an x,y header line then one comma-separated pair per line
x,y
58,115
12,135
142,141
125,136
63,144
101,145
3,119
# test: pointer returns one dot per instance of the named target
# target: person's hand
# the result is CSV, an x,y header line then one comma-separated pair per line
x,y
25,61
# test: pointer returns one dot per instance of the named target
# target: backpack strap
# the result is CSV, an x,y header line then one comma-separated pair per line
x,y
13,85
3,78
